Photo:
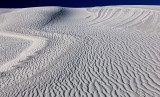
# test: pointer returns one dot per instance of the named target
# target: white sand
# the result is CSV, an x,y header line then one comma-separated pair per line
x,y
111,51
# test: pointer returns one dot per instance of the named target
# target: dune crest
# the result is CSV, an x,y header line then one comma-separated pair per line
x,y
110,51
37,43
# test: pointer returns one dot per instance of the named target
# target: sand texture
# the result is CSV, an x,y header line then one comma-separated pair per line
x,y
110,51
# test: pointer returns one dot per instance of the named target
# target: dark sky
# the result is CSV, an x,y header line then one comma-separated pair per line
x,y
73,3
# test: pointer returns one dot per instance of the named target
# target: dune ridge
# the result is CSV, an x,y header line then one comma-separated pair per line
x,y
37,43
110,51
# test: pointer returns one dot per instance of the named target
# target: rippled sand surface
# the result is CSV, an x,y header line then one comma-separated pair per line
x,y
110,51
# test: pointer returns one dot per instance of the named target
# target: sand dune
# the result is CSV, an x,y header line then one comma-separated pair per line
x,y
111,51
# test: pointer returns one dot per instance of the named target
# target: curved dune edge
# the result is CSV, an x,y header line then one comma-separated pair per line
x,y
105,52
37,43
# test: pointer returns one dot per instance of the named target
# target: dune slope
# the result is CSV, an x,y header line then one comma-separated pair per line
x,y
111,51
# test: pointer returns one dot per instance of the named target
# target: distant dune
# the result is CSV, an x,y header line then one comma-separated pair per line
x,y
110,51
